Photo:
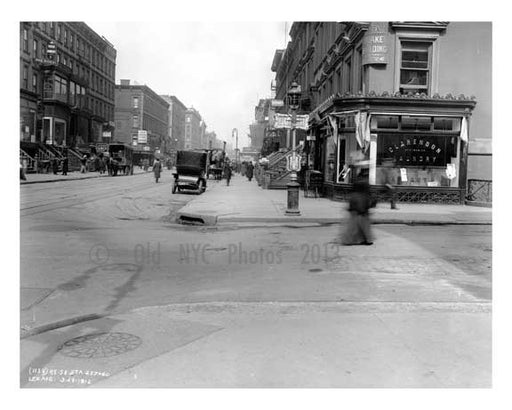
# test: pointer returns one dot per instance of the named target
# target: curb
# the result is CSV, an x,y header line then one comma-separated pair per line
x,y
61,323
212,220
277,307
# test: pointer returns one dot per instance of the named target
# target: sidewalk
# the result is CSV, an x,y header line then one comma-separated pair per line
x,y
72,176
243,201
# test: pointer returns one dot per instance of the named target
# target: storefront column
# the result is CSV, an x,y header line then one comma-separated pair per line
x,y
373,159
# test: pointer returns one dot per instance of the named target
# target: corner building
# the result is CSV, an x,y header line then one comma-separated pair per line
x,y
416,95
67,76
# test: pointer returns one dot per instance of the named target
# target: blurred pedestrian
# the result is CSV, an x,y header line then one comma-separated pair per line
x,y
83,164
358,231
106,162
65,165
22,172
157,169
249,171
227,172
55,166
101,164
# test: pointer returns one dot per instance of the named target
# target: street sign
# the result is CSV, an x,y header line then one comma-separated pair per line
x,y
285,121
142,137
293,162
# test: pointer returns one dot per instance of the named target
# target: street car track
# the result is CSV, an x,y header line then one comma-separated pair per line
x,y
83,194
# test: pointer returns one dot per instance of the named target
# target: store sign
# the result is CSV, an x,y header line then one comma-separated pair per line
x,y
107,134
417,151
142,137
376,44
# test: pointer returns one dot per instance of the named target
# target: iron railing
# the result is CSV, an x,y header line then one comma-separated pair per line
x,y
479,190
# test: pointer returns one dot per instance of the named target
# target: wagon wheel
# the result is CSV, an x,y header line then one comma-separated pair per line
x,y
201,187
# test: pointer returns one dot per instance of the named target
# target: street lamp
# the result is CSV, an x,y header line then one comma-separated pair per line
x,y
293,186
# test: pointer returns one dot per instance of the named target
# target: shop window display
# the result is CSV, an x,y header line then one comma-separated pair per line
x,y
417,160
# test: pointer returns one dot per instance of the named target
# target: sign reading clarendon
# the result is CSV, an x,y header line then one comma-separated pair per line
x,y
416,150
376,44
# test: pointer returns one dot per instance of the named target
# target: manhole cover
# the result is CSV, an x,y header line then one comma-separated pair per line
x,y
100,345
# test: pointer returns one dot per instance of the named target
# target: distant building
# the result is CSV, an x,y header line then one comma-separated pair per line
x,y
193,130
260,128
67,78
141,117
177,112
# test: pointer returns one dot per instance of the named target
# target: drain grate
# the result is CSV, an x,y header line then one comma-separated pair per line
x,y
96,345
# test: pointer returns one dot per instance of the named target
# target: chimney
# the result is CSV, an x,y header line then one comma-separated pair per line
x,y
125,82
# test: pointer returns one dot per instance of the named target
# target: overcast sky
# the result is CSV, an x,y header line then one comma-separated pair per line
x,y
220,69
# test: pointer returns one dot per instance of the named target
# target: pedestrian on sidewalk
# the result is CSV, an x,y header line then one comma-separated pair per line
x,y
358,231
101,164
157,169
249,171
65,165
387,168
22,172
55,166
83,164
227,172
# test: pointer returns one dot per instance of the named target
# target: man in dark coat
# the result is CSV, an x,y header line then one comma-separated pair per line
x,y
55,166
227,172
65,165
157,169
249,171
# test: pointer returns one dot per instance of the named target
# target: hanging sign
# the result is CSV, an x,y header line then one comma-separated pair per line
x,y
376,44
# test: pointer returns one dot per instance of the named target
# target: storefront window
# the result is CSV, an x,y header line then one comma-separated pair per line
x,y
384,122
416,160
416,123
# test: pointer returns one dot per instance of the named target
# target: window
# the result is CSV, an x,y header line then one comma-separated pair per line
x,y
72,99
65,37
59,32
415,67
135,102
34,83
359,70
384,122
35,48
25,77
25,40
61,88
136,121
348,75
72,42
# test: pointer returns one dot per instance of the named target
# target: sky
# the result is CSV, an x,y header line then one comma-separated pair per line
x,y
221,69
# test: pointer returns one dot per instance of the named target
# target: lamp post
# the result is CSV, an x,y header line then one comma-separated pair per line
x,y
293,186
